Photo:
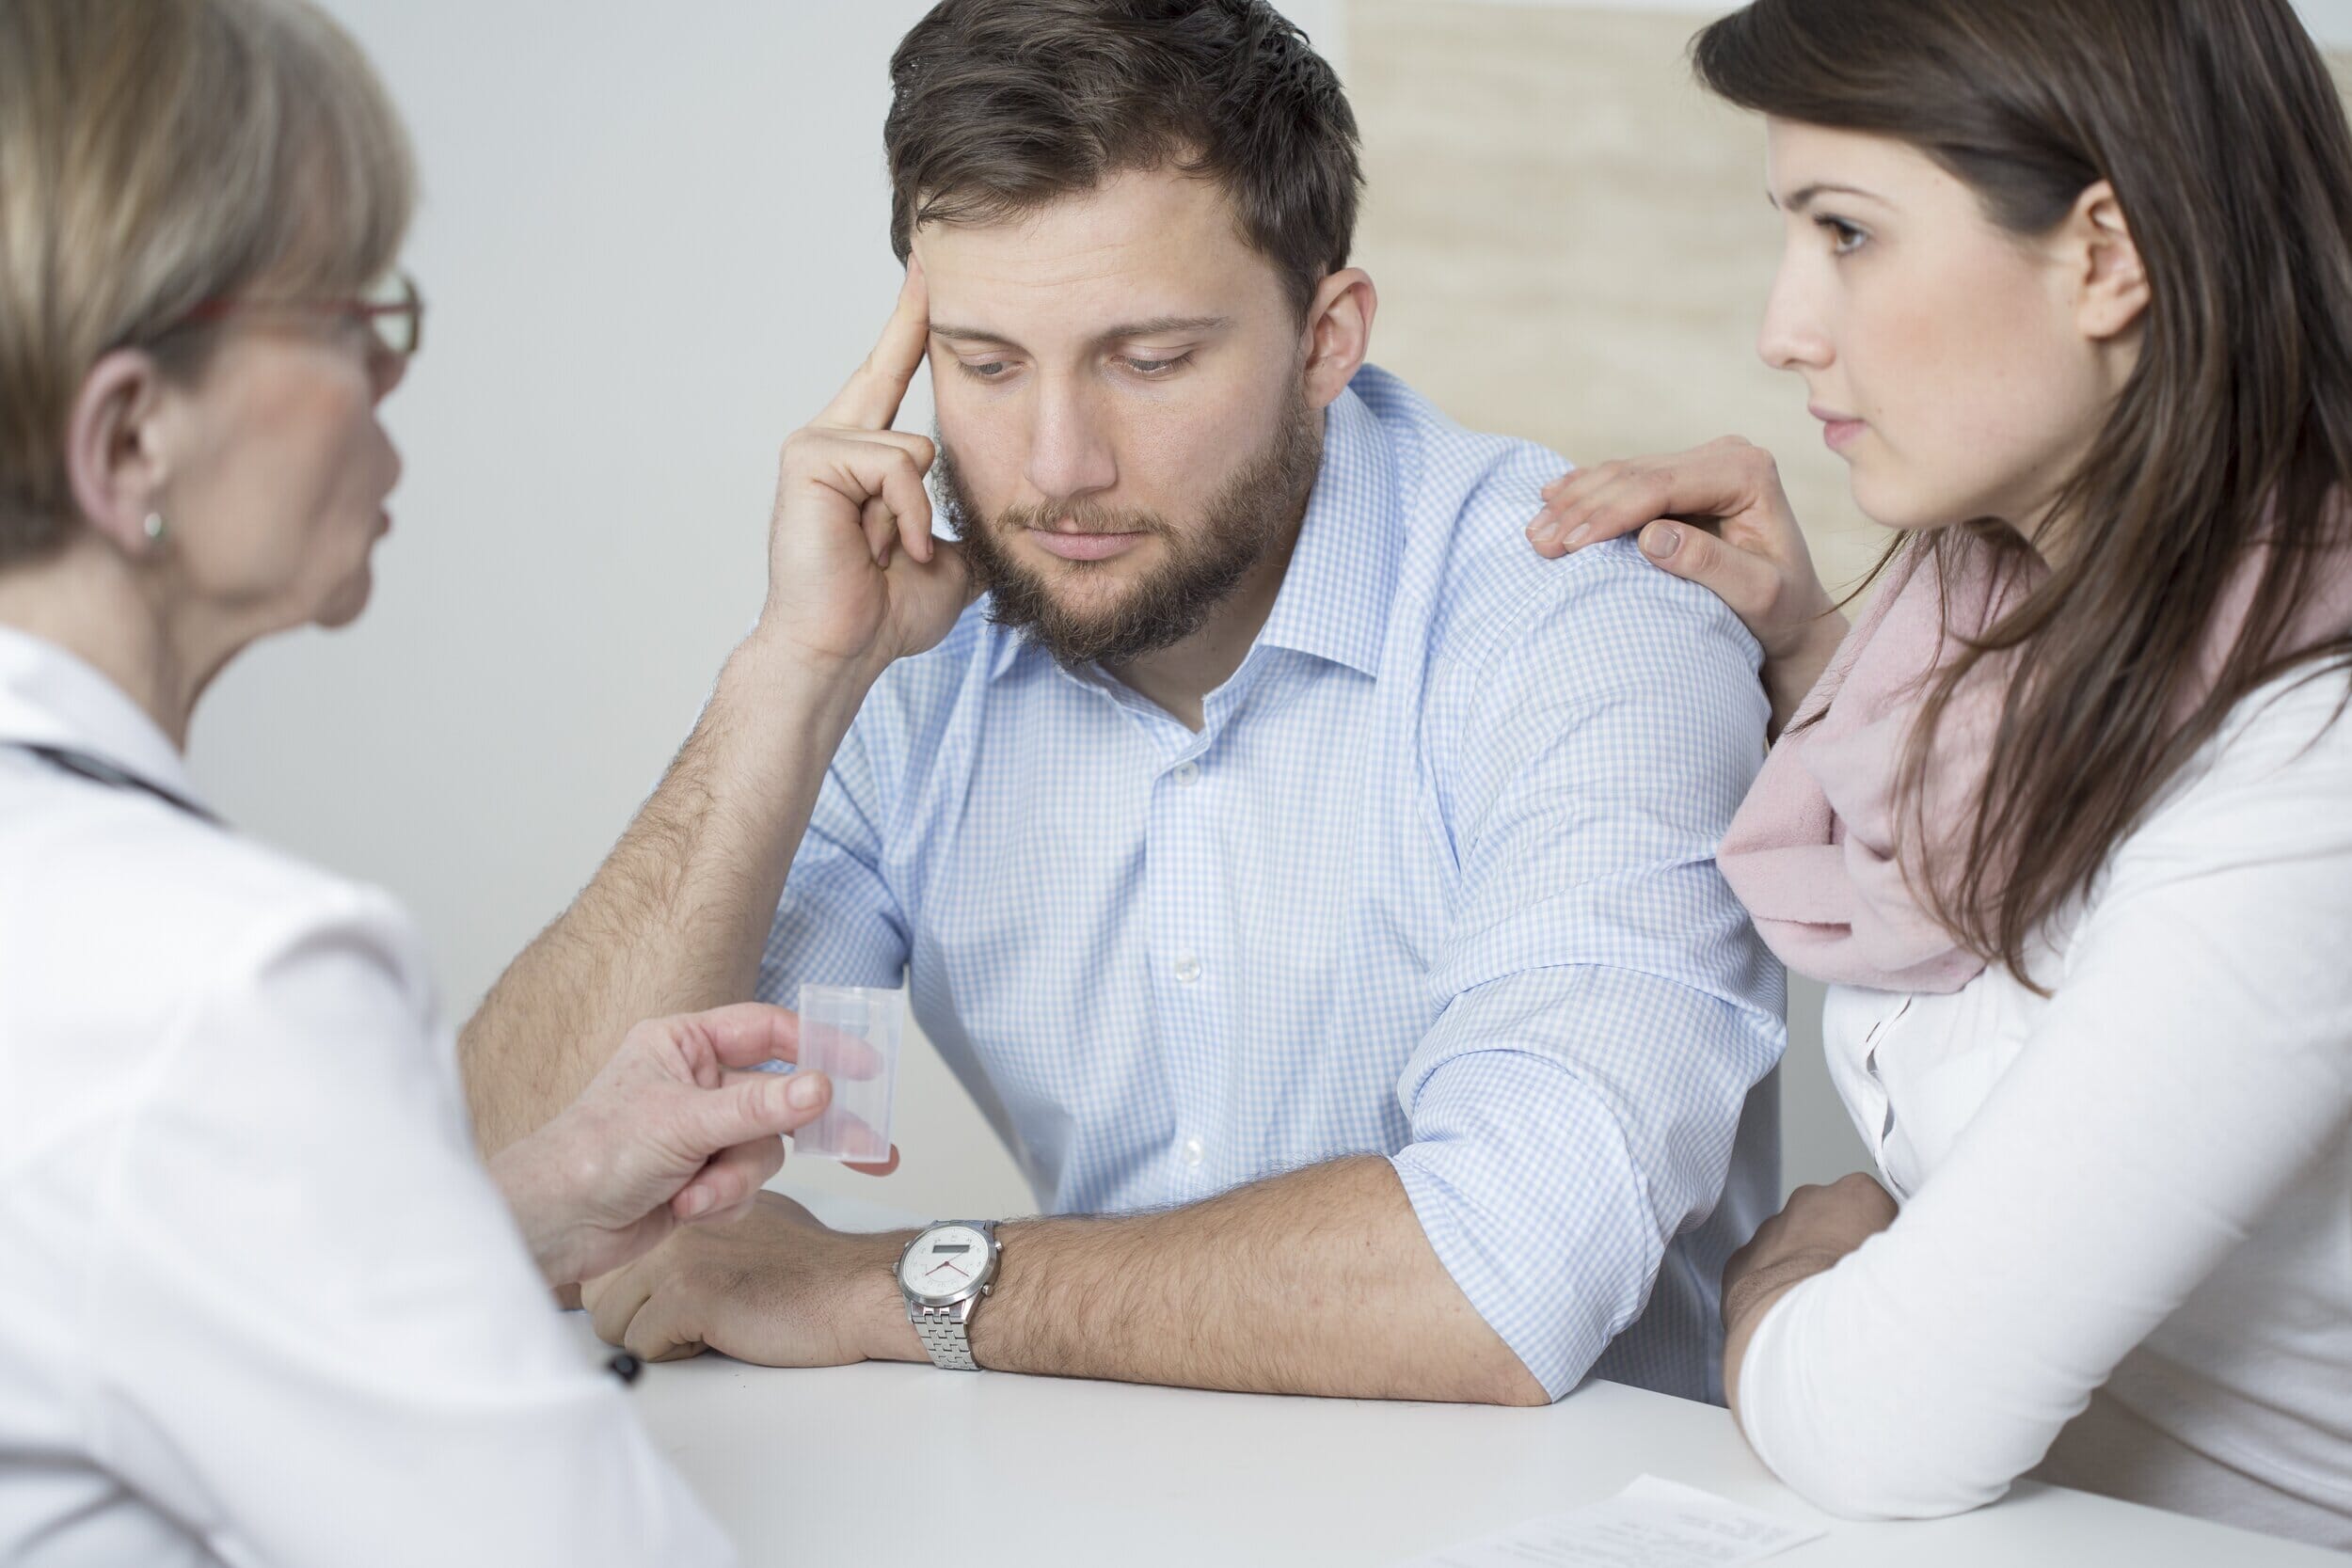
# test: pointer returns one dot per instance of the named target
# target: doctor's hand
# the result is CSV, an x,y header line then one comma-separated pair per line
x,y
1717,516
674,1131
778,1289
855,578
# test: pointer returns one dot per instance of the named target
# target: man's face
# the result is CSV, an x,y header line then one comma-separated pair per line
x,y
1124,426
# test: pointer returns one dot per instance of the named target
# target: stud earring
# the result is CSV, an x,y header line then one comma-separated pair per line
x,y
155,527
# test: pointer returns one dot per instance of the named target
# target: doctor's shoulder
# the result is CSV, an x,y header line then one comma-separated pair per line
x,y
128,899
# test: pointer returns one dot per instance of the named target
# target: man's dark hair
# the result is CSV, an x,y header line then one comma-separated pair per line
x,y
1001,106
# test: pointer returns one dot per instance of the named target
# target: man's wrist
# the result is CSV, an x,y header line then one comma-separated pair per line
x,y
781,705
873,1308
783,659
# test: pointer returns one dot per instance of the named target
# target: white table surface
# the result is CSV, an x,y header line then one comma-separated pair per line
x,y
885,1465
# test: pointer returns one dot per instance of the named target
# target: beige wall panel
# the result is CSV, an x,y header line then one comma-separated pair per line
x,y
1573,242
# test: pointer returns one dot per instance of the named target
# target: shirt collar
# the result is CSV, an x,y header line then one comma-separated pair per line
x,y
1335,594
1334,600
51,698
1011,644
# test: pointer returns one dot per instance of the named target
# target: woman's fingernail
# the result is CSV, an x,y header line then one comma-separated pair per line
x,y
1660,540
698,1203
804,1089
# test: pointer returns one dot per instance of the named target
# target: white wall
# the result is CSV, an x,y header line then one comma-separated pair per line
x,y
2330,21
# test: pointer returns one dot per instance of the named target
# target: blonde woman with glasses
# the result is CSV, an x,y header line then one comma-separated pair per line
x,y
263,1304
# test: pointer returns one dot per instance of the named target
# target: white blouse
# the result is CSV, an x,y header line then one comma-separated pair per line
x,y
2124,1256
260,1304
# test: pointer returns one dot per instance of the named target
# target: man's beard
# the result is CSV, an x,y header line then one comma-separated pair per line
x,y
1246,521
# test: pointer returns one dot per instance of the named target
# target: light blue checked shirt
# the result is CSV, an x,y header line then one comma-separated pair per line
x,y
1434,880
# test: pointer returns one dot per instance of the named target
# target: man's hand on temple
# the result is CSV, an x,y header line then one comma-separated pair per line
x,y
854,577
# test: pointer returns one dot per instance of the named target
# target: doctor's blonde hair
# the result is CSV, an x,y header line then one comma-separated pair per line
x,y
155,154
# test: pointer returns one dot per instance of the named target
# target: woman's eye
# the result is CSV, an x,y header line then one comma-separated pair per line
x,y
1153,369
993,369
1844,238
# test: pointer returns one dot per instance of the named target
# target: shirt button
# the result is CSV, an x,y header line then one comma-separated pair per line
x,y
1186,774
1188,969
1195,1151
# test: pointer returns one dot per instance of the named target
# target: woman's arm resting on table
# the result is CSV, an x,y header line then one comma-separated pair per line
x,y
1813,1233
2196,1058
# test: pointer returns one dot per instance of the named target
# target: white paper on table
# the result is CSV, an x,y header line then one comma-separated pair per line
x,y
1651,1524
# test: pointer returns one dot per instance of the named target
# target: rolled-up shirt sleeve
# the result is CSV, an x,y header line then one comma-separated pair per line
x,y
839,923
1608,1006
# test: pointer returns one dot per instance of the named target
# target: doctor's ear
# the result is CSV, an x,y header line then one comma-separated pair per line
x,y
115,466
1337,333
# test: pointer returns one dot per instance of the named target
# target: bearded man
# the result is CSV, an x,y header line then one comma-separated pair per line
x,y
1313,885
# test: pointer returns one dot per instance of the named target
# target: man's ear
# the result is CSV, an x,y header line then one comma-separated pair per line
x,y
1337,333
114,461
2111,280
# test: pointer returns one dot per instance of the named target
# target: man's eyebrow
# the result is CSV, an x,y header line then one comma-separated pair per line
x,y
1807,197
1157,326
1153,327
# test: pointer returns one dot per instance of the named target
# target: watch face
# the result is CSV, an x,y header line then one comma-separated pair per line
x,y
945,1262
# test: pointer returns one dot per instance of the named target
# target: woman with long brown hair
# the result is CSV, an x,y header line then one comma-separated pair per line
x,y
2065,821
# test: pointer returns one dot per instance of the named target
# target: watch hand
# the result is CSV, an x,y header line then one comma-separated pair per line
x,y
942,1263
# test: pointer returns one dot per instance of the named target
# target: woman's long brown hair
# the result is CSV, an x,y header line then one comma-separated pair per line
x,y
2226,459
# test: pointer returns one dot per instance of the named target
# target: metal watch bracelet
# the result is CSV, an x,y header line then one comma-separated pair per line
x,y
942,1331
944,1324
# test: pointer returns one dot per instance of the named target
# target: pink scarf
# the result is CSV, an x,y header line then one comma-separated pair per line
x,y
1812,851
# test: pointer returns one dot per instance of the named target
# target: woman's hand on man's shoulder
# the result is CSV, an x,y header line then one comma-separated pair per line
x,y
1718,517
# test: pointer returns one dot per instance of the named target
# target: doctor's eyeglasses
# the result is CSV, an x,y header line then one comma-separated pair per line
x,y
390,309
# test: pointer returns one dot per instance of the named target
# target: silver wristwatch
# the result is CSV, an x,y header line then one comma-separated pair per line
x,y
944,1273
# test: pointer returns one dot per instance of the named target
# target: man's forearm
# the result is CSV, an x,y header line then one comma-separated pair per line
x,y
1317,1282
675,919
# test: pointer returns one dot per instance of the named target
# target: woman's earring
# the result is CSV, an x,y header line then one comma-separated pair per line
x,y
155,527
